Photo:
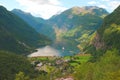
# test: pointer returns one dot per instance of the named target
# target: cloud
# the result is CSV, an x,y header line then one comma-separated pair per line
x,y
48,8
103,6
109,5
114,4
52,2
92,2
105,0
42,8
1,4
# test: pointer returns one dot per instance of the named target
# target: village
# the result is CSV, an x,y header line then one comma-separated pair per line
x,y
59,66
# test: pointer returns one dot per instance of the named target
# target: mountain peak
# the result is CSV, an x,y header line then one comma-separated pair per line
x,y
85,7
76,10
88,9
2,10
76,7
21,12
1,7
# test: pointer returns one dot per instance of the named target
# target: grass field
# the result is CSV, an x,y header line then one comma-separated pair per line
x,y
78,59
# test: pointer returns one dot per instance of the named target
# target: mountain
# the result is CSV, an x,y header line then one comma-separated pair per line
x,y
74,27
39,24
74,16
71,29
16,35
105,50
108,36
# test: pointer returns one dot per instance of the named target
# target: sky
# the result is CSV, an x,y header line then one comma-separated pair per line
x,y
48,8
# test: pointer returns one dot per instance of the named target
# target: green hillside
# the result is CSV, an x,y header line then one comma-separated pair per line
x,y
107,36
110,30
16,35
39,24
105,50
11,64
77,16
74,27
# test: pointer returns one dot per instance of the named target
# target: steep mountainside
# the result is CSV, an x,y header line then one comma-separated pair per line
x,y
39,24
76,26
107,37
16,35
109,32
105,50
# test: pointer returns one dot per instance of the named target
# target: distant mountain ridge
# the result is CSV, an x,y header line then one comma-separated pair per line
x,y
39,24
16,35
88,9
28,17
71,27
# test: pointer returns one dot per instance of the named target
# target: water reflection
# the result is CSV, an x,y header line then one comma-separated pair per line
x,y
50,51
45,51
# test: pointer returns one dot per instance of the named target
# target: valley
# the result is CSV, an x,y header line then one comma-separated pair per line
x,y
72,33
80,43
